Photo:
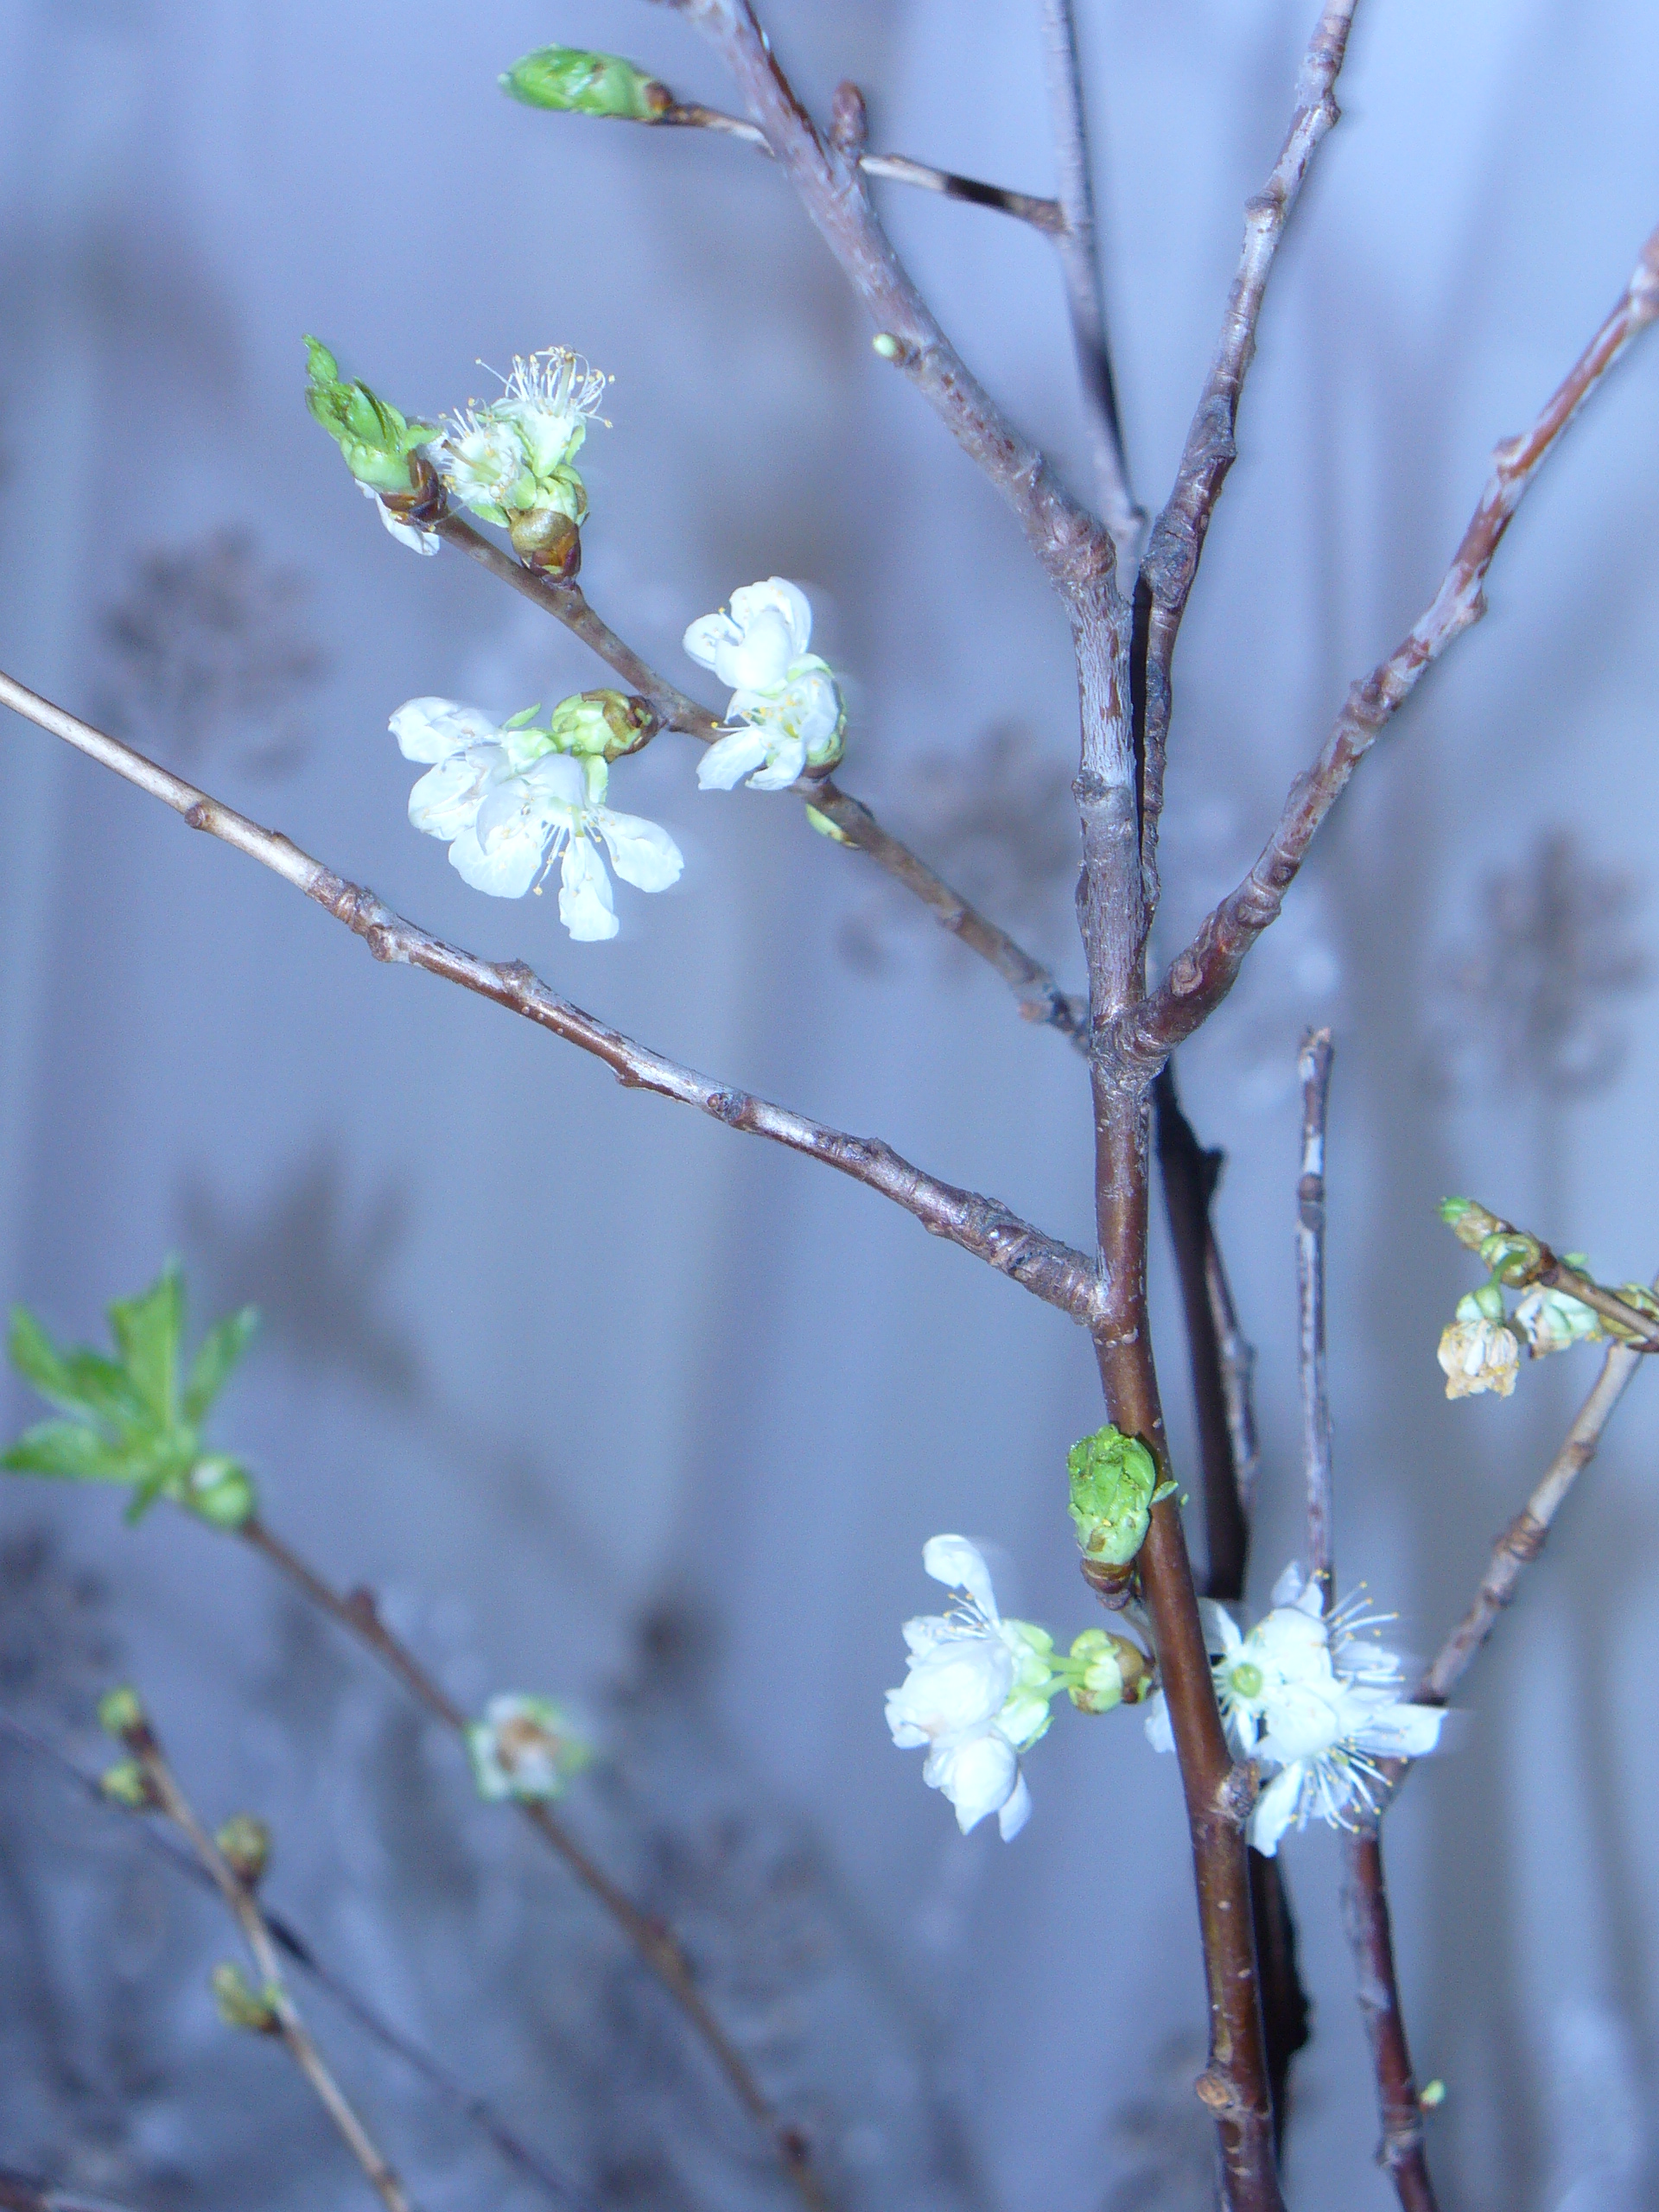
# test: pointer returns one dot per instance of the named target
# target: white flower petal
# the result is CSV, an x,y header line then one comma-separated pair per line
x,y
961,1566
786,758
1406,1732
1292,1587
1160,1733
759,659
1016,1811
642,853
406,533
706,637
1222,1633
978,1775
777,596
585,904
954,1690
507,870
730,758
446,799
428,728
1275,1809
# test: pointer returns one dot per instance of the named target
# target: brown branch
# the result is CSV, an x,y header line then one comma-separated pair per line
x,y
1074,549
1365,1918
1313,1065
1176,543
1077,247
471,2107
1043,215
1040,1264
656,1944
1200,977
140,1741
28,2193
1040,998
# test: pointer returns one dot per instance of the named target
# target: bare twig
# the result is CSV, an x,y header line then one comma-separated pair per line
x,y
1049,1269
141,1741
656,1944
473,2108
1043,215
1365,1918
1040,996
1176,543
1200,977
1086,293
1313,1065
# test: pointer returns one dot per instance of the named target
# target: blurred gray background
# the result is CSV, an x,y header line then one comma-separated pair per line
x,y
610,1403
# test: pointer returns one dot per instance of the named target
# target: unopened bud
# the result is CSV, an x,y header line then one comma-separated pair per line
x,y
1638,1295
119,1712
1113,1671
1432,2095
240,2006
889,347
826,828
849,118
574,81
1468,1222
126,1783
549,542
244,1844
603,724
1114,1488
219,1488
374,439
1512,1256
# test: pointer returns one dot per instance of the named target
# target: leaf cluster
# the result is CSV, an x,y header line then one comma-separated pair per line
x,y
135,1418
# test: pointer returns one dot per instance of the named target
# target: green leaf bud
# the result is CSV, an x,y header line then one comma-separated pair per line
x,y
120,1713
221,1490
126,1783
1432,2095
573,81
240,2006
826,828
1468,1222
1512,1256
602,725
244,1844
1113,1487
374,439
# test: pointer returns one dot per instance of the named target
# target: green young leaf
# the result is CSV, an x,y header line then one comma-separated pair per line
x,y
219,1350
374,439
68,1449
146,1331
58,1375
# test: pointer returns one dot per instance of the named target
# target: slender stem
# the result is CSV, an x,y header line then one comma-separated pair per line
x,y
1365,1918
25,2193
141,1741
1313,1065
1040,998
1040,1264
657,1947
471,2107
1073,548
1043,215
1237,1358
1200,977
1086,293
1176,543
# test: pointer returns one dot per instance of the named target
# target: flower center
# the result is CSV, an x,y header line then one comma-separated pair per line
x,y
1246,1679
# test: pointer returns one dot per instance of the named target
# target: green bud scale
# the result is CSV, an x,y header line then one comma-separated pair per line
x,y
573,81
1114,1488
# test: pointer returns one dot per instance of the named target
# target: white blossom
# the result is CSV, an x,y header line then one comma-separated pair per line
x,y
406,533
1556,1322
523,1747
976,1693
784,712
508,805
518,452
1478,1351
1314,1697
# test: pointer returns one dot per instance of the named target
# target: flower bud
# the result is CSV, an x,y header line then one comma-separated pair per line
x,y
120,1714
1512,1256
605,724
523,1747
375,441
1114,1488
574,81
219,1488
548,540
1113,1671
126,1783
244,1844
1468,1222
239,2006
1638,1295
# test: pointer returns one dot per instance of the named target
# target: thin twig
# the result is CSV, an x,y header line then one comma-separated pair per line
x,y
1370,1935
656,1944
141,1741
1314,1066
1079,252
1043,215
1176,542
467,2103
1200,977
1049,1269
1040,996
27,2193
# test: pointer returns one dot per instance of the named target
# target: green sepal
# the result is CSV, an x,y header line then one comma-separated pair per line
x,y
826,828
571,80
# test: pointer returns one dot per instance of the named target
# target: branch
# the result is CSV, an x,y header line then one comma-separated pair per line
x,y
27,2193
1076,242
1200,977
471,2107
1041,997
655,1945
141,1741
1050,1270
1075,550
1365,1919
1043,215
1313,1065
1177,541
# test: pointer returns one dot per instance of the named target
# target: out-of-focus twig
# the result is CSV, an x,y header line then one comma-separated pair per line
x,y
1313,1065
1370,1937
